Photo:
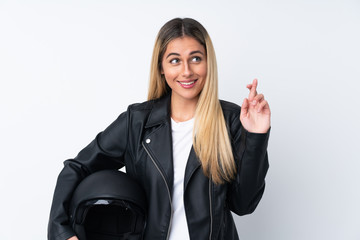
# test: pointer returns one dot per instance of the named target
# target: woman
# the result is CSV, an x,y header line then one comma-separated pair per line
x,y
197,158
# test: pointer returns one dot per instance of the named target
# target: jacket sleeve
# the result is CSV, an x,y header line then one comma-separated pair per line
x,y
106,151
251,159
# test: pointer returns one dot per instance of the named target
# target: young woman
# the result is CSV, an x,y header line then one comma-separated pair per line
x,y
197,157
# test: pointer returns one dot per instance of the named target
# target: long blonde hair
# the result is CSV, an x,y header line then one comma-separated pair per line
x,y
210,136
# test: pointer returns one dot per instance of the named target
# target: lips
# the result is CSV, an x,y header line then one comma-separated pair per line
x,y
187,84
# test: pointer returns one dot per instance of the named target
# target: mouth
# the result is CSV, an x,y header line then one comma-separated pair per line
x,y
187,84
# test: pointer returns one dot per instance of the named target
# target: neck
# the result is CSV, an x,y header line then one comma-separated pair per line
x,y
182,109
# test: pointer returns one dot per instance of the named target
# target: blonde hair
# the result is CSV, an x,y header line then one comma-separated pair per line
x,y
210,136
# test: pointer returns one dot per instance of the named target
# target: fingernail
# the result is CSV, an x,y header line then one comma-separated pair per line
x,y
254,102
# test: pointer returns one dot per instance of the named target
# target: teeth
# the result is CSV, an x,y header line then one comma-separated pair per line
x,y
187,83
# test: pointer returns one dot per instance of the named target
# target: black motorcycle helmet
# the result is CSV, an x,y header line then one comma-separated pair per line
x,y
108,205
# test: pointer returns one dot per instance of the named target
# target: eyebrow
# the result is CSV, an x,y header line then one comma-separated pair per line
x,y
193,52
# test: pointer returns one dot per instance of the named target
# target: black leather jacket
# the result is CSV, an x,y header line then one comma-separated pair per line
x,y
140,139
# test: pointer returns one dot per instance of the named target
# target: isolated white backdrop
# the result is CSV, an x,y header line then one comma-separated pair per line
x,y
68,68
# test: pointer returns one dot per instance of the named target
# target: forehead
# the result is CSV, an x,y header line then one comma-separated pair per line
x,y
184,45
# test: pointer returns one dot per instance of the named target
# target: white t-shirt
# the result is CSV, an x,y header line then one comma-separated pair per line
x,y
182,142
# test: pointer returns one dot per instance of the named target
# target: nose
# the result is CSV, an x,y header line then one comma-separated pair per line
x,y
187,71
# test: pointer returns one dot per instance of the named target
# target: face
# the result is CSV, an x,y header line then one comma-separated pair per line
x,y
184,66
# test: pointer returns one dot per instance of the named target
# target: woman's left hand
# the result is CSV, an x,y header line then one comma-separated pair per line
x,y
255,111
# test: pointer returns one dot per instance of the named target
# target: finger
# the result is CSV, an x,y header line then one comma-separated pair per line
x,y
264,104
257,99
244,108
253,92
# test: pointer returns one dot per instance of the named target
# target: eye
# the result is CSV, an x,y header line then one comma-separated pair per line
x,y
174,61
196,59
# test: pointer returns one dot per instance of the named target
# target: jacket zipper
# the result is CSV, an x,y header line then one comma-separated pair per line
x,y
211,216
167,187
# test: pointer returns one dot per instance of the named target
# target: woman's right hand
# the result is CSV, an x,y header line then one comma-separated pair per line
x,y
73,238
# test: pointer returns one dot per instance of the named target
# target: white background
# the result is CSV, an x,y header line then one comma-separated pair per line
x,y
69,68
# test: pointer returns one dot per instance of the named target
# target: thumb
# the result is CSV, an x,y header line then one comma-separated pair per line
x,y
244,108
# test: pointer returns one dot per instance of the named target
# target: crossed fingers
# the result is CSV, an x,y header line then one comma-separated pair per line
x,y
255,99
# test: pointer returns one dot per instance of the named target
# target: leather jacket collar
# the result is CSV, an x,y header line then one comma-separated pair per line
x,y
160,112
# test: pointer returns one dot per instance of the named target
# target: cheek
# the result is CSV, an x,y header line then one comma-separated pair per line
x,y
203,70
170,74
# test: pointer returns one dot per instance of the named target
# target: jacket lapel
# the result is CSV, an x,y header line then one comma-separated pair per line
x,y
192,164
158,139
